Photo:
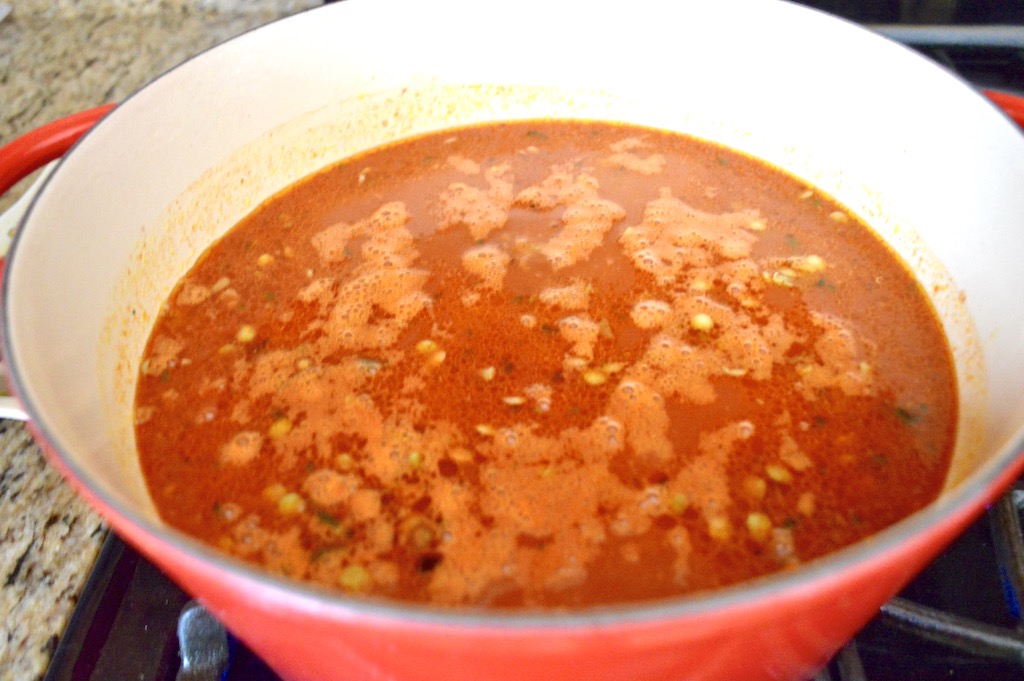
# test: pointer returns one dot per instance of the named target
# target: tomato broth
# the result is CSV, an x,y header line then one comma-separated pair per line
x,y
544,364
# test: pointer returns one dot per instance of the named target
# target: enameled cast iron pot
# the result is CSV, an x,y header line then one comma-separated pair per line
x,y
930,164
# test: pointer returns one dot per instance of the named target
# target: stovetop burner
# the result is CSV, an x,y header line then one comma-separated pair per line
x,y
958,621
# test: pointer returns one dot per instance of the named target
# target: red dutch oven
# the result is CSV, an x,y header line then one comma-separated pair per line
x,y
933,166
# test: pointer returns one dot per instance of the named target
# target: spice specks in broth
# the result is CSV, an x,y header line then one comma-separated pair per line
x,y
543,365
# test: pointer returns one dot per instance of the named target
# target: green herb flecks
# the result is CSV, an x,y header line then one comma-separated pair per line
x,y
912,415
327,519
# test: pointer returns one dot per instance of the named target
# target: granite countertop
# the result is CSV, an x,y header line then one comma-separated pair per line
x,y
58,58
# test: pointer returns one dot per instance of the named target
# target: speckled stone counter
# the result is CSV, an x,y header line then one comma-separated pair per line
x,y
54,63
52,66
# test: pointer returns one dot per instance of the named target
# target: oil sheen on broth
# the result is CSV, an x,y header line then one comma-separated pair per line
x,y
544,364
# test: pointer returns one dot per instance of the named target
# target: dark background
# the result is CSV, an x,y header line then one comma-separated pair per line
x,y
926,11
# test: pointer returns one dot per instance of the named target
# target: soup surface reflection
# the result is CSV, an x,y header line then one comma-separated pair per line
x,y
544,364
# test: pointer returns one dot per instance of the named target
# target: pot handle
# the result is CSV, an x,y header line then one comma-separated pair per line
x,y
20,157
1012,105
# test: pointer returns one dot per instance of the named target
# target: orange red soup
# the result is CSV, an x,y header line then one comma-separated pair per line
x,y
544,364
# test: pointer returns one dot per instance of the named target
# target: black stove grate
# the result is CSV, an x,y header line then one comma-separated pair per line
x,y
990,57
958,620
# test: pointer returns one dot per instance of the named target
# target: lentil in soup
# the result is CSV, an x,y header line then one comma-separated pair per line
x,y
544,364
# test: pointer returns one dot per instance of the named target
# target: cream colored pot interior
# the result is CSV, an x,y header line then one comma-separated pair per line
x,y
934,168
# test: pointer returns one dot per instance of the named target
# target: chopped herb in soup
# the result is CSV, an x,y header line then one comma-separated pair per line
x,y
544,364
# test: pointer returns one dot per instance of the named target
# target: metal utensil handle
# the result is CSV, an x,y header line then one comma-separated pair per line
x,y
203,645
